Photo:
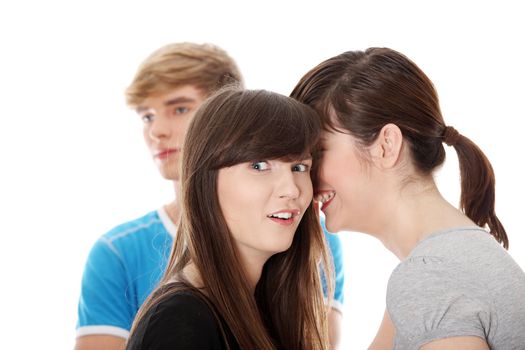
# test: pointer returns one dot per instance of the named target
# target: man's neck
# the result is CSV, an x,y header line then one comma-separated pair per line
x,y
173,211
173,208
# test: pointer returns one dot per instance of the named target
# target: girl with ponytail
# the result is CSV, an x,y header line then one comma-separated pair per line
x,y
456,286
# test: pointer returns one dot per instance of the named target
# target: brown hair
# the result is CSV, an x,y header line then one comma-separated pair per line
x,y
287,310
205,66
367,90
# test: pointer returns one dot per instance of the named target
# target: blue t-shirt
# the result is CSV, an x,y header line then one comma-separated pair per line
x,y
125,265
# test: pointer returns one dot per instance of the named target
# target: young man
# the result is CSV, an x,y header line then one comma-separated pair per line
x,y
126,263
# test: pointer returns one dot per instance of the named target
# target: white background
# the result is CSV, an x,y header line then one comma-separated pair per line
x,y
73,164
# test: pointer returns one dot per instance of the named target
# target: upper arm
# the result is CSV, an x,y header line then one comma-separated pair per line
x,y
335,321
384,339
106,297
457,343
106,342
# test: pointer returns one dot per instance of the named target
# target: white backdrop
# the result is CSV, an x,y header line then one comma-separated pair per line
x,y
73,164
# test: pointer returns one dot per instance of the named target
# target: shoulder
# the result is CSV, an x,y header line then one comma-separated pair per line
x,y
181,320
186,306
437,293
427,280
442,266
130,236
456,259
122,268
135,233
147,223
138,245
459,244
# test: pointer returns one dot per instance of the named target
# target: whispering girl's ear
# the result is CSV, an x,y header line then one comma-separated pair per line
x,y
386,149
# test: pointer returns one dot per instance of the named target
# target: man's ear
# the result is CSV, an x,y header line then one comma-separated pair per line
x,y
386,149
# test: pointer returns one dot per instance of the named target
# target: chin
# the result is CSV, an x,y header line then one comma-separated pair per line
x,y
332,226
170,175
285,247
278,248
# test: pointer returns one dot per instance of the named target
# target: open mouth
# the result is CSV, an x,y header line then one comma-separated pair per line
x,y
325,198
285,217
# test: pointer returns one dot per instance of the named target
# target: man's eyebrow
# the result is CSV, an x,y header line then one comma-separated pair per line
x,y
167,103
177,100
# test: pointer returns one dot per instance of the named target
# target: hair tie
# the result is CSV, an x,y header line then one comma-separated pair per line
x,y
451,136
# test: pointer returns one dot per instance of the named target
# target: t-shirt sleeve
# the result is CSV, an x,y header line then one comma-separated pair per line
x,y
428,299
104,306
336,250
181,322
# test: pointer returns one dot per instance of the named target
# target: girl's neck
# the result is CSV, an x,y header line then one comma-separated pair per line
x,y
417,213
253,267
253,271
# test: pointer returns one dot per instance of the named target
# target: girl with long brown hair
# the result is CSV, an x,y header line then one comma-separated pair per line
x,y
243,273
456,286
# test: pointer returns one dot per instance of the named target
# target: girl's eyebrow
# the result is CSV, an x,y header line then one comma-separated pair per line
x,y
302,159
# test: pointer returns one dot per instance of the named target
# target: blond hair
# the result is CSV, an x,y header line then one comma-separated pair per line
x,y
204,66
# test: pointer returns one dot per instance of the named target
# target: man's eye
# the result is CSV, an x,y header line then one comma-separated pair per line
x,y
147,118
181,110
260,166
301,168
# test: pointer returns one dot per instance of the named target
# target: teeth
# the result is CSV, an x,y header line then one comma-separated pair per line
x,y
325,197
281,215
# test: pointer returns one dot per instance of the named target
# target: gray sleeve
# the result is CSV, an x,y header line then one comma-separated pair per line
x,y
428,299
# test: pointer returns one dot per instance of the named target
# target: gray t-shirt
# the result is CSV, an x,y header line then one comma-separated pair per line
x,y
458,282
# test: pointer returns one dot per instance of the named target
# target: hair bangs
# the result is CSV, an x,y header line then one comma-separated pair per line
x,y
269,126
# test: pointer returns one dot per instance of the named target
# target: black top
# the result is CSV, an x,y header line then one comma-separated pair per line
x,y
182,321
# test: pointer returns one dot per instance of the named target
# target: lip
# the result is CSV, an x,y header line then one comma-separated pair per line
x,y
285,222
165,153
325,205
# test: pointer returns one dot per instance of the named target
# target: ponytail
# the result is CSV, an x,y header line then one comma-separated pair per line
x,y
478,184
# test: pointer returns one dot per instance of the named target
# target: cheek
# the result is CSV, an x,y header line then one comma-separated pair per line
x,y
305,184
238,199
185,122
227,198
145,134
329,169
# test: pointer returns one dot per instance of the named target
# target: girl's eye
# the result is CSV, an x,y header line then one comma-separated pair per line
x,y
181,110
260,166
147,118
301,168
